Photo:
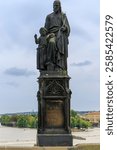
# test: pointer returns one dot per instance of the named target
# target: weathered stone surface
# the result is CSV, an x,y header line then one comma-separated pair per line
x,y
54,110
54,93
54,102
55,140
52,51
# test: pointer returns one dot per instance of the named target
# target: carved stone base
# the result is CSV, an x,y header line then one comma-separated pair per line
x,y
54,109
54,140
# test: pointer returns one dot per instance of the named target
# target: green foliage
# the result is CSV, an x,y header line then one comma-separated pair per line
x,y
5,119
78,122
74,121
14,118
73,113
27,121
30,121
84,124
22,121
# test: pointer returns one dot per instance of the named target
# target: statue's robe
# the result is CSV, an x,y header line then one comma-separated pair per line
x,y
57,51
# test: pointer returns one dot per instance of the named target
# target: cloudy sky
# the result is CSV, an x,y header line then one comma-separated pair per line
x,y
19,21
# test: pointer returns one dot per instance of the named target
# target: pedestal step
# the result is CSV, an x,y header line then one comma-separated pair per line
x,y
54,140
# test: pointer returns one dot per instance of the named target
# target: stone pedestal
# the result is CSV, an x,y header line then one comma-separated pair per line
x,y
54,109
55,140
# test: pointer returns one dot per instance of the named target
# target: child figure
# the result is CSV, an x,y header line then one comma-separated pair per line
x,y
41,50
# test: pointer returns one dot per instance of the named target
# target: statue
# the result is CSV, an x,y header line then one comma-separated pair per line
x,y
54,94
41,50
56,49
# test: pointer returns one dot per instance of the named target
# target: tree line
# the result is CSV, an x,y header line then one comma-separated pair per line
x,y
23,121
78,122
31,121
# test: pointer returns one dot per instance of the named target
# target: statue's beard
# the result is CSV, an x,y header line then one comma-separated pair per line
x,y
57,10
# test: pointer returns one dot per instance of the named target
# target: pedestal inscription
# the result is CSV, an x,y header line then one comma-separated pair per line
x,y
54,114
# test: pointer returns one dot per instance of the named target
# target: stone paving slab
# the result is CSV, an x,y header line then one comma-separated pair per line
x,y
27,137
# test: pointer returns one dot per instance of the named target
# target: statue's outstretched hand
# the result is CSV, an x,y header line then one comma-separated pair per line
x,y
35,36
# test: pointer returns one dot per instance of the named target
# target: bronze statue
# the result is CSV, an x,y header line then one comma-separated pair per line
x,y
54,94
41,50
56,50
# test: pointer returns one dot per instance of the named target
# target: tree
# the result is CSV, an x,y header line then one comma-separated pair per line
x,y
77,121
84,124
31,121
5,120
73,113
22,122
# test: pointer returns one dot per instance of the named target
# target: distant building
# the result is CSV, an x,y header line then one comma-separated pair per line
x,y
93,117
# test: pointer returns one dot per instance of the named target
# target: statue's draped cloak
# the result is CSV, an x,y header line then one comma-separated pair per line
x,y
57,51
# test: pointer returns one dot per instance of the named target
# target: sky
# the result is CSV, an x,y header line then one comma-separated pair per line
x,y
19,21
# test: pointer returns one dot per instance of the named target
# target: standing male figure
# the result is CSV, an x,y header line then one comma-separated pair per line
x,y
57,49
